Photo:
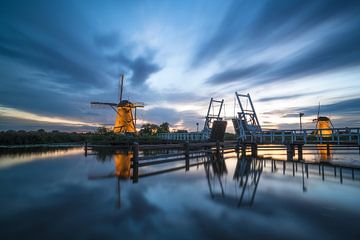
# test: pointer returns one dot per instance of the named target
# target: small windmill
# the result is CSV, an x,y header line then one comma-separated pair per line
x,y
125,121
323,123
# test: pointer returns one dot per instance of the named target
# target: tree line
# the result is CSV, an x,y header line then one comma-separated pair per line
x,y
147,132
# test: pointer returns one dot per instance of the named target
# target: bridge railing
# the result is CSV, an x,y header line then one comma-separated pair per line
x,y
192,136
306,136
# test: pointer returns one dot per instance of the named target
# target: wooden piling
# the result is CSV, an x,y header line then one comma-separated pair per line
x,y
243,149
187,156
300,152
328,150
307,170
289,152
86,148
322,172
254,150
284,167
341,178
293,168
237,149
135,162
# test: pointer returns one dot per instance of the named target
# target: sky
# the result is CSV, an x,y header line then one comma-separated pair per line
x,y
58,56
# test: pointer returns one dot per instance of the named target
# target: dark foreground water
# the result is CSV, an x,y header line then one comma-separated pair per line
x,y
63,195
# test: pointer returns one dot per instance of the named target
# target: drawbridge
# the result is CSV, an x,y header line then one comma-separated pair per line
x,y
248,129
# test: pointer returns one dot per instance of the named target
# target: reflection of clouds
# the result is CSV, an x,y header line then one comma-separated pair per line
x,y
9,160
54,199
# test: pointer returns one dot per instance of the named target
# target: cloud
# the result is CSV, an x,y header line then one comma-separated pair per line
x,y
350,106
304,38
287,97
159,115
55,64
142,68
232,75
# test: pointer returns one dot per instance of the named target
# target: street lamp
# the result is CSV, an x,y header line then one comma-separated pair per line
x,y
301,115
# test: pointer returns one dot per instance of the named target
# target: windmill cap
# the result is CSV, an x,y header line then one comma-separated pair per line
x,y
124,102
323,119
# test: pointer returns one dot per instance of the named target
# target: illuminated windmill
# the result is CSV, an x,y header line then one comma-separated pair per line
x,y
324,124
125,121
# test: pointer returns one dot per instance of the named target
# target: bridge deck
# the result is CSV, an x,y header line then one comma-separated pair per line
x,y
336,136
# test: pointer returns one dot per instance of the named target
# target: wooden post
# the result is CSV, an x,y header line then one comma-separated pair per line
x,y
322,170
307,170
289,152
300,152
352,174
218,149
86,148
243,149
272,165
335,171
187,156
328,150
284,167
237,148
293,168
341,179
254,150
135,161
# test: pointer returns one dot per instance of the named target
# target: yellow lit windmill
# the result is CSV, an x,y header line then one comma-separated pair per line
x,y
125,121
324,125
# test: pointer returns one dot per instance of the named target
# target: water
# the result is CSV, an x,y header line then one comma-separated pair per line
x,y
60,194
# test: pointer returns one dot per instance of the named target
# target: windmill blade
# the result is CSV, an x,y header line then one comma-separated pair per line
x,y
102,104
121,87
139,104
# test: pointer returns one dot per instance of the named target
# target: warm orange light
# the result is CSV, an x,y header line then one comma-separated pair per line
x,y
323,127
123,164
124,122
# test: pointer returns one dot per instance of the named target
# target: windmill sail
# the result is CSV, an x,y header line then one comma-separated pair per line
x,y
125,121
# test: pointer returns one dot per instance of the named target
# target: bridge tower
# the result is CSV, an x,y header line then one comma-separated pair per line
x,y
213,119
246,122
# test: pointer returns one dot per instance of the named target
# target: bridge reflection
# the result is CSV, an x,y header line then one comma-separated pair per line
x,y
244,174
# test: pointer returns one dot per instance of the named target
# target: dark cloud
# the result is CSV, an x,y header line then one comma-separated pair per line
x,y
232,75
285,97
250,28
350,106
347,113
53,62
142,69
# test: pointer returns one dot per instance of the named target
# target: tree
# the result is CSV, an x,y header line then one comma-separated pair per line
x,y
102,130
164,128
149,129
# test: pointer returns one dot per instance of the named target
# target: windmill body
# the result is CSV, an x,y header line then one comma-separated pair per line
x,y
323,126
125,121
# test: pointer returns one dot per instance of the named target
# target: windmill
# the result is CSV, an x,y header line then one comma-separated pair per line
x,y
322,123
125,121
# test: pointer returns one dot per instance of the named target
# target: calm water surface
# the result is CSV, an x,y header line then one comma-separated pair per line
x,y
60,194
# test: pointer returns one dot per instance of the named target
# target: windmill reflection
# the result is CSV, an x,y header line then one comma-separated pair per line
x,y
122,162
246,177
325,151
